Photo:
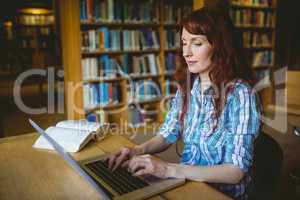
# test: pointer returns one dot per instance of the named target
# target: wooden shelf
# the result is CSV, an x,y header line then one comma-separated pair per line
x,y
35,25
169,73
98,53
118,24
106,107
262,66
255,27
252,7
143,76
259,48
171,25
172,50
146,101
169,96
104,79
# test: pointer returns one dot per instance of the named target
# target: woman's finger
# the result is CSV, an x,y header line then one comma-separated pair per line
x,y
125,163
121,158
141,172
112,159
138,166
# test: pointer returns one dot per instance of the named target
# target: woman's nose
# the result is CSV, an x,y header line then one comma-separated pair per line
x,y
187,51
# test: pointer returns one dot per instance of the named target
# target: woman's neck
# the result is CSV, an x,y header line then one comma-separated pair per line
x,y
205,81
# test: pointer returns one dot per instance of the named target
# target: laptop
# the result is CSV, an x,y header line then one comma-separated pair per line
x,y
117,185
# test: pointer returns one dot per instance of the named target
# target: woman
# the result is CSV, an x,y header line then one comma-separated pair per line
x,y
217,118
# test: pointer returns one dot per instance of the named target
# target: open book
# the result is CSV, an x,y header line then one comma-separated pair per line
x,y
72,135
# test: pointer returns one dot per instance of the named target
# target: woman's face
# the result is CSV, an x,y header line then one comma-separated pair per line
x,y
197,52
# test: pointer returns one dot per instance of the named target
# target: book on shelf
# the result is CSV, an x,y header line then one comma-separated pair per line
x,y
106,39
170,61
263,58
35,20
142,64
97,68
115,11
147,90
257,39
252,18
254,3
72,135
263,77
174,12
102,94
172,38
170,87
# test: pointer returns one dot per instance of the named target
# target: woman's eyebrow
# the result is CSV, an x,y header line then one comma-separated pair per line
x,y
195,38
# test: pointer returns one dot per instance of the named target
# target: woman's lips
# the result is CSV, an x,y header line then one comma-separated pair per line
x,y
191,62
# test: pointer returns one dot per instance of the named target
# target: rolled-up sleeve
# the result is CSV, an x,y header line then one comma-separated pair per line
x,y
242,128
171,127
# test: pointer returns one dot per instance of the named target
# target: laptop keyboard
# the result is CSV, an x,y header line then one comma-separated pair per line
x,y
120,180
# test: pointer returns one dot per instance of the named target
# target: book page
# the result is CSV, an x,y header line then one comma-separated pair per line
x,y
79,125
70,139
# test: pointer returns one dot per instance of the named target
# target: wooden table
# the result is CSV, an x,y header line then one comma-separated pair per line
x,y
28,173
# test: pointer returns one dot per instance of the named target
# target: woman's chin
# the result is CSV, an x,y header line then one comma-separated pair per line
x,y
194,70
197,69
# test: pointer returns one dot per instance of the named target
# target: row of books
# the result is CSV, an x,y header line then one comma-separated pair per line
x,y
145,64
262,3
100,94
175,11
104,39
116,11
255,18
140,90
7,33
172,38
263,58
34,31
257,39
103,66
32,43
170,87
170,62
35,19
263,76
106,66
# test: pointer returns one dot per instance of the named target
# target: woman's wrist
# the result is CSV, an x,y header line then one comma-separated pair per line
x,y
139,150
174,171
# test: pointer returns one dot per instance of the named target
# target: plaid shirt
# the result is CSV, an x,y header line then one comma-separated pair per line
x,y
230,142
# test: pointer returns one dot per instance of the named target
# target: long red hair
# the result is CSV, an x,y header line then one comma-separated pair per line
x,y
227,62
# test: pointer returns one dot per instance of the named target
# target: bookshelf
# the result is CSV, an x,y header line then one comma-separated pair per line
x,y
29,41
256,20
124,48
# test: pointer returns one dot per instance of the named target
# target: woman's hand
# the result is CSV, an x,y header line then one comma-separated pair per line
x,y
149,165
122,157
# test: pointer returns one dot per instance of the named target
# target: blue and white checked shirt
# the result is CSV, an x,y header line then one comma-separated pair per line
x,y
232,140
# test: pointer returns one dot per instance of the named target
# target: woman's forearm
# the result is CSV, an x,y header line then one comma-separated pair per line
x,y
156,144
225,173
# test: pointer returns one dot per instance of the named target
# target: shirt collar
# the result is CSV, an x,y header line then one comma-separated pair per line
x,y
197,88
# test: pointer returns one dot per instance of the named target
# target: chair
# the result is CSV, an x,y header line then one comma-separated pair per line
x,y
267,165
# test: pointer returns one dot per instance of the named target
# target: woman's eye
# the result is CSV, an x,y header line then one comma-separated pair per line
x,y
183,44
198,44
